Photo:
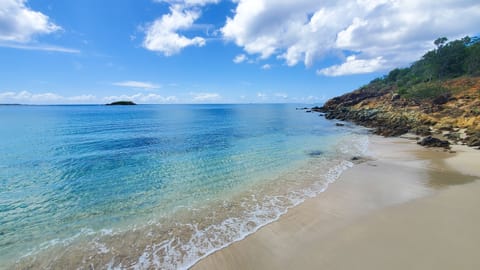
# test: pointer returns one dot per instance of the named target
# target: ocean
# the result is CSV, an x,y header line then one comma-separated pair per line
x,y
155,186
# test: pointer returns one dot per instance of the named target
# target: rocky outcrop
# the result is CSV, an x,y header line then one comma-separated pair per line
x,y
455,114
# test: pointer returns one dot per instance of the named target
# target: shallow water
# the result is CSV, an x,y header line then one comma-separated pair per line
x,y
155,186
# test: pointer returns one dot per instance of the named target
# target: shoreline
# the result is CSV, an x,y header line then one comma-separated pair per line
x,y
320,231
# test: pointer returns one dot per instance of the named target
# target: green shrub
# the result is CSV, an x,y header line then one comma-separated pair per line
x,y
422,91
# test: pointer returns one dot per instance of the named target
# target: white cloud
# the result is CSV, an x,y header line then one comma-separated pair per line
x,y
19,23
266,67
281,95
205,97
137,84
162,35
39,47
354,66
393,32
240,58
82,98
262,96
26,97
189,2
143,98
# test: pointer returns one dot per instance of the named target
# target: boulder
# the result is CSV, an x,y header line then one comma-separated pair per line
x,y
434,142
473,139
442,99
395,97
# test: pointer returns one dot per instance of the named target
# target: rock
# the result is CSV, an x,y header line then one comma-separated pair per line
x,y
442,99
473,140
315,153
359,159
421,130
380,107
454,136
434,142
339,124
395,97
391,131
308,111
445,127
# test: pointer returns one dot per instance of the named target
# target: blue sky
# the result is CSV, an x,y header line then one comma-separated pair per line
x,y
213,51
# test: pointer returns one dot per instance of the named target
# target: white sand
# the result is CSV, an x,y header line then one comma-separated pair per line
x,y
408,208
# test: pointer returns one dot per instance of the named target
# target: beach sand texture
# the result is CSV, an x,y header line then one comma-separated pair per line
x,y
406,207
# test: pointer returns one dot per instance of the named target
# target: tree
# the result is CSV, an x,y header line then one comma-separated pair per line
x,y
472,63
440,41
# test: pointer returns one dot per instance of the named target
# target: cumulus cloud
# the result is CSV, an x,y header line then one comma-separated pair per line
x,y
310,99
189,2
143,98
380,33
26,97
19,23
205,97
240,58
262,96
266,67
137,84
354,66
162,36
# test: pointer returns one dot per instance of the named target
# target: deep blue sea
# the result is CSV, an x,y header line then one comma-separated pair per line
x,y
155,186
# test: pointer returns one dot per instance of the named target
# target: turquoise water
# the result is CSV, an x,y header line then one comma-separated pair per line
x,y
154,186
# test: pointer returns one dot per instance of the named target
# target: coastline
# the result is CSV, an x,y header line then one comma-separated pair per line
x,y
399,209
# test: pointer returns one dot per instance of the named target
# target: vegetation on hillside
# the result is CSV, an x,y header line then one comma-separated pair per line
x,y
423,79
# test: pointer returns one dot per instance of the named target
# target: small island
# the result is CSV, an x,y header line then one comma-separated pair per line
x,y
121,103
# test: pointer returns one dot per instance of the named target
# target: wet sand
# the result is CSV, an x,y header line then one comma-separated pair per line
x,y
405,207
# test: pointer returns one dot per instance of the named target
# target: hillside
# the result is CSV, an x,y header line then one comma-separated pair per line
x,y
439,95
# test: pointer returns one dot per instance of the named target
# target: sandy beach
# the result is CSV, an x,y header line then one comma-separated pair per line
x,y
404,207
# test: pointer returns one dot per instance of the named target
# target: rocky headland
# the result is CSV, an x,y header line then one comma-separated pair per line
x,y
438,96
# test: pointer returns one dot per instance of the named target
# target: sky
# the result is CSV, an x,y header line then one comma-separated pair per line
x,y
213,51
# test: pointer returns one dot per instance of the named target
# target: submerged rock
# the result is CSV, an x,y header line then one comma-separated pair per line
x,y
315,153
434,142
